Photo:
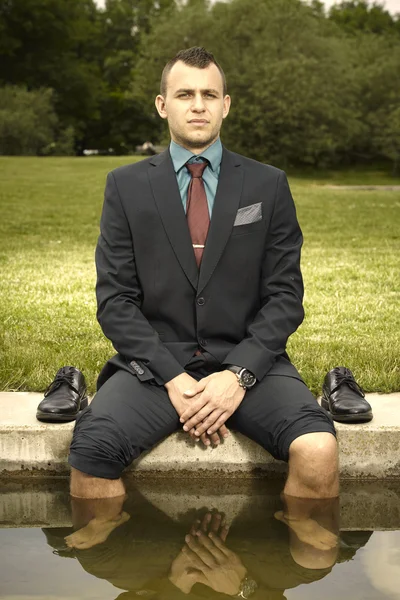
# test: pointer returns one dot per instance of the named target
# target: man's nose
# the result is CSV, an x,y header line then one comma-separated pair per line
x,y
198,103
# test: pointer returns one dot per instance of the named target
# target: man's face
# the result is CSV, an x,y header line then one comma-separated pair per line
x,y
194,105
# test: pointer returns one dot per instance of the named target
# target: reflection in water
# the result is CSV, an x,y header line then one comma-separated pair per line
x,y
382,565
203,553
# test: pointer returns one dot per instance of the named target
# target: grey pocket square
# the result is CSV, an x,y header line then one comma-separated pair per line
x,y
248,214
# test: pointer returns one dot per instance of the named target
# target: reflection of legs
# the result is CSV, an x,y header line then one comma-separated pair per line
x,y
95,519
314,529
125,418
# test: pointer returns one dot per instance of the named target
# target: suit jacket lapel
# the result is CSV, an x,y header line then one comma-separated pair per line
x,y
169,204
226,204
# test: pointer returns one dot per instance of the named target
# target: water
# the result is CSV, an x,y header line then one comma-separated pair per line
x,y
144,548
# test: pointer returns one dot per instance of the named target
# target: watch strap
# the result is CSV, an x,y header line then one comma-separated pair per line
x,y
234,368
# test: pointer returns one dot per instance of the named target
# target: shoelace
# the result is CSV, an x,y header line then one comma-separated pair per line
x,y
60,378
347,377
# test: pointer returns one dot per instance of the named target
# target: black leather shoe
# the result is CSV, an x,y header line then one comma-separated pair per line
x,y
64,398
344,398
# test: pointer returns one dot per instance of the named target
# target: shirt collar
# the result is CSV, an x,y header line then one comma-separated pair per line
x,y
180,155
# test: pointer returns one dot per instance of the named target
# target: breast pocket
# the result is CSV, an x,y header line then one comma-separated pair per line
x,y
258,226
248,219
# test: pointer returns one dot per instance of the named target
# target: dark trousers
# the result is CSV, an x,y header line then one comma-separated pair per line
x,y
127,417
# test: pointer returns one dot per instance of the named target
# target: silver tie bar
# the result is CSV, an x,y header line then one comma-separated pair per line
x,y
198,245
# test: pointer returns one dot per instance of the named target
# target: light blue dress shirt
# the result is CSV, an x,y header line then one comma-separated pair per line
x,y
180,156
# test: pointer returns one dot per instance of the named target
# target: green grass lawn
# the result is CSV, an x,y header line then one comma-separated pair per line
x,y
50,209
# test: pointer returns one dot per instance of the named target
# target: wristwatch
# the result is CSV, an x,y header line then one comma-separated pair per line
x,y
247,588
245,377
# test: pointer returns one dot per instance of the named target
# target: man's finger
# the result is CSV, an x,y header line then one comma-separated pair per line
x,y
194,408
194,437
212,548
209,422
224,532
194,559
219,543
199,416
207,558
217,425
195,527
215,439
196,388
224,431
205,522
216,521
204,438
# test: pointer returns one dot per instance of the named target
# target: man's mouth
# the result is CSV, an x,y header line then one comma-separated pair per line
x,y
198,121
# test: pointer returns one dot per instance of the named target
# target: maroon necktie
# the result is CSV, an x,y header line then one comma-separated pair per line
x,y
197,214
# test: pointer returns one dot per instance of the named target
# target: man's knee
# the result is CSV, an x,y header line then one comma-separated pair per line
x,y
313,448
313,466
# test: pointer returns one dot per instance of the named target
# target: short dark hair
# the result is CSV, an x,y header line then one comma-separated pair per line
x,y
193,57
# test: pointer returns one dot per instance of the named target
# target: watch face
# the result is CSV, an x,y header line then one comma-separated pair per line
x,y
248,379
249,587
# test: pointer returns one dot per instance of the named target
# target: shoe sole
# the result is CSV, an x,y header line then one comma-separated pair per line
x,y
58,417
352,418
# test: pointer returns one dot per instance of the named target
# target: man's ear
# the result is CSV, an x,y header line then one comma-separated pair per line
x,y
161,106
227,105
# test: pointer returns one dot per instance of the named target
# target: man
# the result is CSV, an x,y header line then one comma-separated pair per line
x,y
200,311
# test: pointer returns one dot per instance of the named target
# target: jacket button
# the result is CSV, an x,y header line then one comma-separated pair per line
x,y
203,342
201,301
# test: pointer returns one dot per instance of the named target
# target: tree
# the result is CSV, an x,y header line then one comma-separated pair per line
x,y
357,15
28,122
293,96
376,69
122,123
54,44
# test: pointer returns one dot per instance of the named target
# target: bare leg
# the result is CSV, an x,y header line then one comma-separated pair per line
x,y
87,486
313,467
96,509
311,500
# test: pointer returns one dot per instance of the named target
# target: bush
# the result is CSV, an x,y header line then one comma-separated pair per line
x,y
27,120
64,146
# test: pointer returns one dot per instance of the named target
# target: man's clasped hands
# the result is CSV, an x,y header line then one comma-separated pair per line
x,y
206,559
204,406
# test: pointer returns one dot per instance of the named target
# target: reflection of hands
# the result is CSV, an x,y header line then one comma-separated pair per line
x,y
182,573
205,559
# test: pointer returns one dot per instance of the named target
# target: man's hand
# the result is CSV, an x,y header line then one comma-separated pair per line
x,y
176,388
209,561
214,399
186,569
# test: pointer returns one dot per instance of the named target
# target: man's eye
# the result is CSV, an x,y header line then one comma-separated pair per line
x,y
211,95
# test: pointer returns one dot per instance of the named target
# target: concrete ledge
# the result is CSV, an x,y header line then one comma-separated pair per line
x,y
45,503
370,451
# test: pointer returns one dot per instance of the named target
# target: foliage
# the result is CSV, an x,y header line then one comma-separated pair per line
x,y
358,15
27,120
309,87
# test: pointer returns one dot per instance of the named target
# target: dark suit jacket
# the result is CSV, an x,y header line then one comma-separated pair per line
x,y
155,305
